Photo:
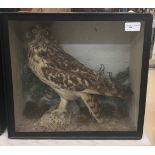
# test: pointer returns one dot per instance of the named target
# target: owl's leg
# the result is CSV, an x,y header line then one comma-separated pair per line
x,y
63,105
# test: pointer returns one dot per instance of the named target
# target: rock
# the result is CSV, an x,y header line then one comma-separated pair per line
x,y
56,120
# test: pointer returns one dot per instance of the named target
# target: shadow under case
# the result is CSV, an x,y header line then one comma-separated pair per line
x,y
76,75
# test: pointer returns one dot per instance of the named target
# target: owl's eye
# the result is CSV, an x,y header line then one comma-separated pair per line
x,y
34,31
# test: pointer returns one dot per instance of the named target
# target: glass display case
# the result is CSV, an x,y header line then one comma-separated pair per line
x,y
75,75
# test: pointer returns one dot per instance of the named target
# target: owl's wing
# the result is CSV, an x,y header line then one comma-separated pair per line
x,y
66,71
70,80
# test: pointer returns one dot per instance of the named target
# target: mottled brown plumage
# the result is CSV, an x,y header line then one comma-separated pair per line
x,y
66,75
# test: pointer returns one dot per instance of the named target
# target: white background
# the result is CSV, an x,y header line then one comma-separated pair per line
x,y
77,3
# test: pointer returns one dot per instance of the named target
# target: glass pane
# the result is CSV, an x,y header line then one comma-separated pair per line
x,y
75,75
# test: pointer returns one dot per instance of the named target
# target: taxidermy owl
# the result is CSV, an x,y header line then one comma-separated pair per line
x,y
66,75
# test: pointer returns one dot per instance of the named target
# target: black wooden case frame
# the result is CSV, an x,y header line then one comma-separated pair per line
x,y
8,85
2,104
2,107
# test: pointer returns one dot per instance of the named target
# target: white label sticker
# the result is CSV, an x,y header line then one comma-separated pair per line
x,y
132,26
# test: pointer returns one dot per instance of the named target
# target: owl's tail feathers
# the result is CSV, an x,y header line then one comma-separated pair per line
x,y
94,106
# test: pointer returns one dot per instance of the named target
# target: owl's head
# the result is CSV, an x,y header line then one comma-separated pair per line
x,y
38,34
38,38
